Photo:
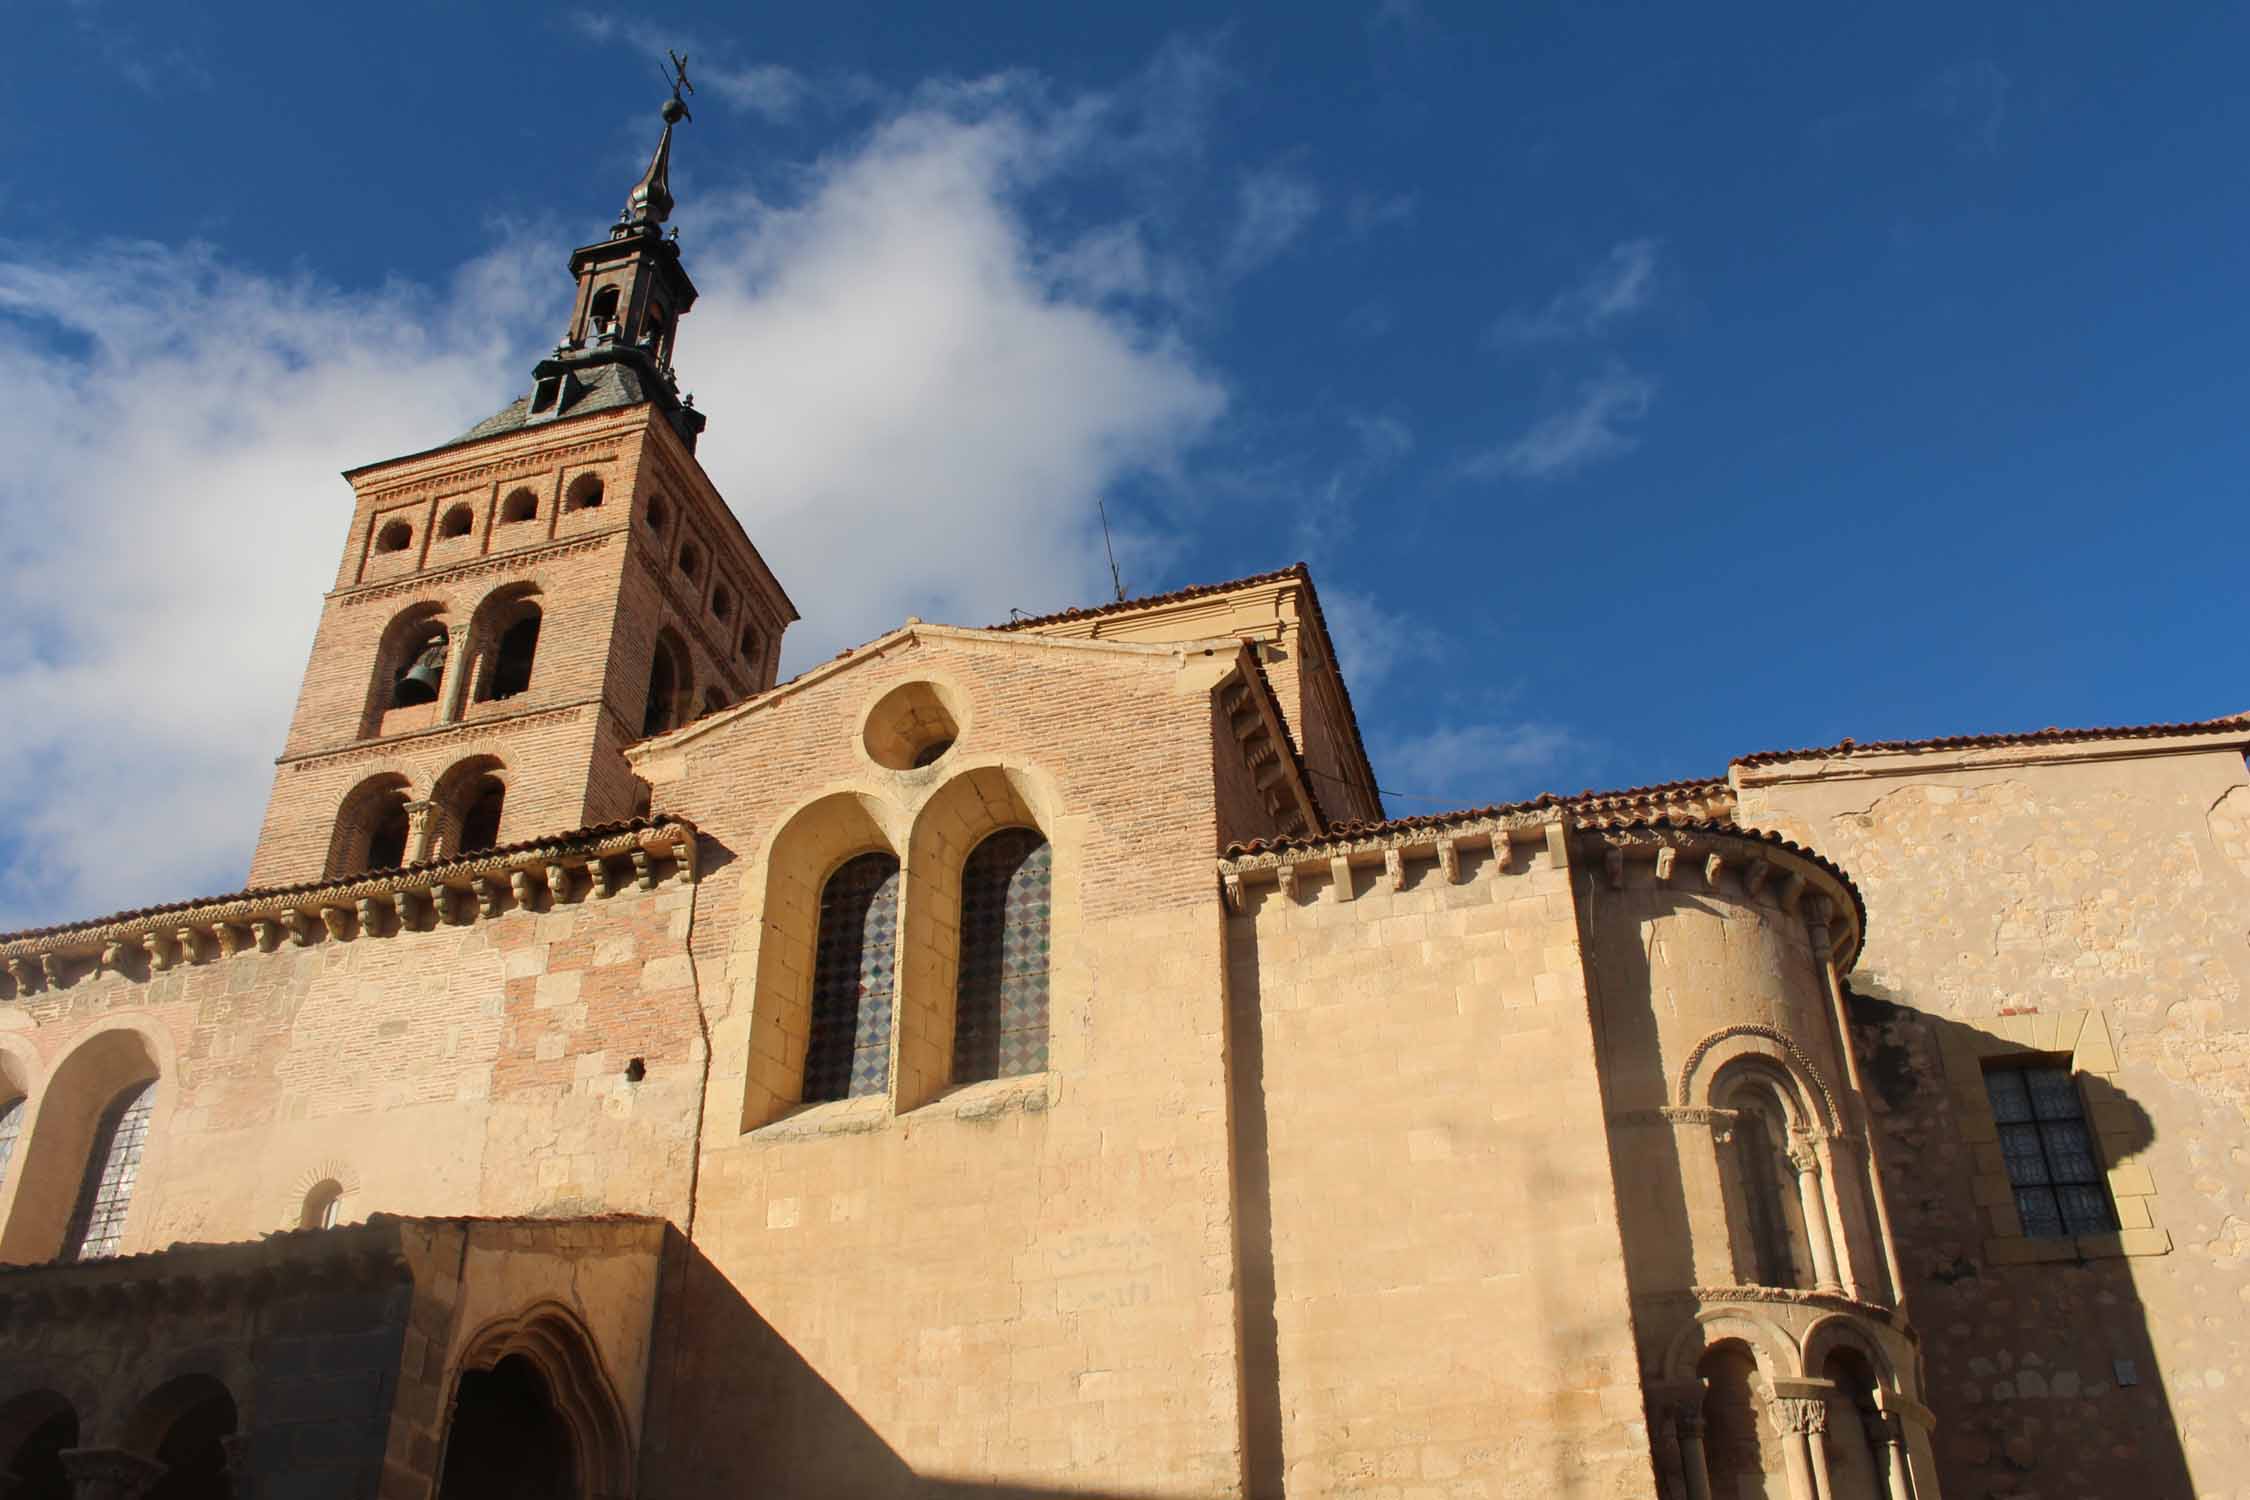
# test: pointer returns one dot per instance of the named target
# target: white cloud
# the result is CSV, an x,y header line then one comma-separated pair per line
x,y
1274,207
1621,283
1373,641
1592,426
909,413
1464,765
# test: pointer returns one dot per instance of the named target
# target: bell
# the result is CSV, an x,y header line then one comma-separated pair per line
x,y
420,684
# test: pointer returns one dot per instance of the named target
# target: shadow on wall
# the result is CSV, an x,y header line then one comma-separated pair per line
x,y
2042,1371
733,1408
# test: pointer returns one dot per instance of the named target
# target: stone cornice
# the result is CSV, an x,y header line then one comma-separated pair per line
x,y
1746,864
2048,747
1720,1296
543,873
354,594
437,734
1390,850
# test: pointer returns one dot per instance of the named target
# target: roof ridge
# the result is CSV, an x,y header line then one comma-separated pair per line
x,y
2048,736
1145,601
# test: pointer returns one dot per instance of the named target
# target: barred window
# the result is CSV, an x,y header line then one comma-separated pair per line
x,y
11,1131
848,1053
113,1163
2059,1184
1000,1014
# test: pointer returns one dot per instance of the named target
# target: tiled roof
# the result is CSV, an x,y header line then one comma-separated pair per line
x,y
589,835
604,388
2237,724
1150,601
1644,804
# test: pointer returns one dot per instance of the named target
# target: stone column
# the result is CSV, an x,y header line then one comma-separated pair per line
x,y
421,831
1815,1206
453,691
1797,1418
109,1473
1886,1434
1689,1424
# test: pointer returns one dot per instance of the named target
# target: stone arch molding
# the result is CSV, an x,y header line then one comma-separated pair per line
x,y
1770,1345
122,1049
557,1343
1801,1068
1836,1331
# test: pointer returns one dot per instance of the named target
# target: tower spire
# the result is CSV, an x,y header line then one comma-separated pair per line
x,y
650,202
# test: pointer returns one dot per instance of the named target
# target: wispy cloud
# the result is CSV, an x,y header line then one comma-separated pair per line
x,y
1374,640
1622,283
1273,207
768,90
1593,425
174,424
1466,765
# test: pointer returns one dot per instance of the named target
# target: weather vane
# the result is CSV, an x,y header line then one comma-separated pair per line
x,y
678,79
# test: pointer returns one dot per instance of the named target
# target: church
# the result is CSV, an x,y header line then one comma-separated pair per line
x,y
1022,1060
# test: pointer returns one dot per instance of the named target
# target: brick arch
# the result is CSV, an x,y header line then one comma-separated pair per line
x,y
402,640
808,846
361,816
458,793
507,610
119,1054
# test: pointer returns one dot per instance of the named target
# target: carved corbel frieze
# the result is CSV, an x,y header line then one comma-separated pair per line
x,y
683,851
439,896
488,895
1449,861
558,882
112,957
22,971
1755,877
301,928
1503,850
519,886
1285,879
1339,878
189,942
1230,886
644,870
228,937
1394,868
159,951
605,883
370,910
403,904
266,933
1713,867
1666,857
50,969
338,921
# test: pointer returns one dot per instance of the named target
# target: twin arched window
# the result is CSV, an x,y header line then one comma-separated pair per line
x,y
113,1165
1000,1010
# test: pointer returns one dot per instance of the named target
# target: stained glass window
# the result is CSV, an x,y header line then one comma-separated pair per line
x,y
11,1131
2060,1186
112,1165
1000,1015
848,1053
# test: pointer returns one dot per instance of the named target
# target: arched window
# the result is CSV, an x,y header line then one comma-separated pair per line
x,y
848,1050
371,828
585,493
1742,1458
508,628
691,560
1000,1010
321,1203
97,1223
747,647
480,814
601,314
1780,1254
394,537
458,522
521,505
11,1131
668,686
659,515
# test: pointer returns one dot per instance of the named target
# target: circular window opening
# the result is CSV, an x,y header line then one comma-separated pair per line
x,y
585,493
912,725
522,505
457,521
394,537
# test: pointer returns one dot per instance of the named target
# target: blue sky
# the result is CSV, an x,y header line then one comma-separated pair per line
x,y
1646,386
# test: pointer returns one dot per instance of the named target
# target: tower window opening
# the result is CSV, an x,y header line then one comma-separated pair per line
x,y
521,505
457,522
747,647
691,560
386,840
417,681
480,821
519,646
601,314
585,493
668,687
394,537
658,514
713,701
722,602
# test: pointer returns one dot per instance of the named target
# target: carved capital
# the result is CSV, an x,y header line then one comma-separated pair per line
x,y
1796,1415
110,1473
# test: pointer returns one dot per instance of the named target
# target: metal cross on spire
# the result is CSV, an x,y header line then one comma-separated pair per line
x,y
679,82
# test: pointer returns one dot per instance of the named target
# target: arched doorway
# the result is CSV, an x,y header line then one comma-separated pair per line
x,y
507,1441
35,1428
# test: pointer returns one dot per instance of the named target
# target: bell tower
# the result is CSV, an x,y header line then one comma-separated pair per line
x,y
516,605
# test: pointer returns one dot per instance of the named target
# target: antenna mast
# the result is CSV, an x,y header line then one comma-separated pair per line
x,y
1115,582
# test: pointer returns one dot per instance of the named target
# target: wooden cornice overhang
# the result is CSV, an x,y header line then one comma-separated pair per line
x,y
525,876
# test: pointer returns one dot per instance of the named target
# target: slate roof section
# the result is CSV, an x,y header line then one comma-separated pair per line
x,y
589,835
2237,724
603,387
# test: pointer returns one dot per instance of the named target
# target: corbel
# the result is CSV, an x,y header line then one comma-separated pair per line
x,y
1285,877
1713,868
683,850
1230,884
1558,845
487,893
50,969
644,870
228,937
1666,858
1394,868
1792,890
370,911
159,952
1339,878
1613,865
605,884
1754,879
1449,861
338,921
402,905
186,940
440,897
20,971
299,925
519,886
1503,849
112,957
558,881
265,933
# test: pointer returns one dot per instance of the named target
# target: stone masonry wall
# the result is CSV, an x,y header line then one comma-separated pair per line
x,y
2076,902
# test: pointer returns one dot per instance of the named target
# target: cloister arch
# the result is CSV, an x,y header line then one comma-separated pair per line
x,y
183,1424
35,1427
